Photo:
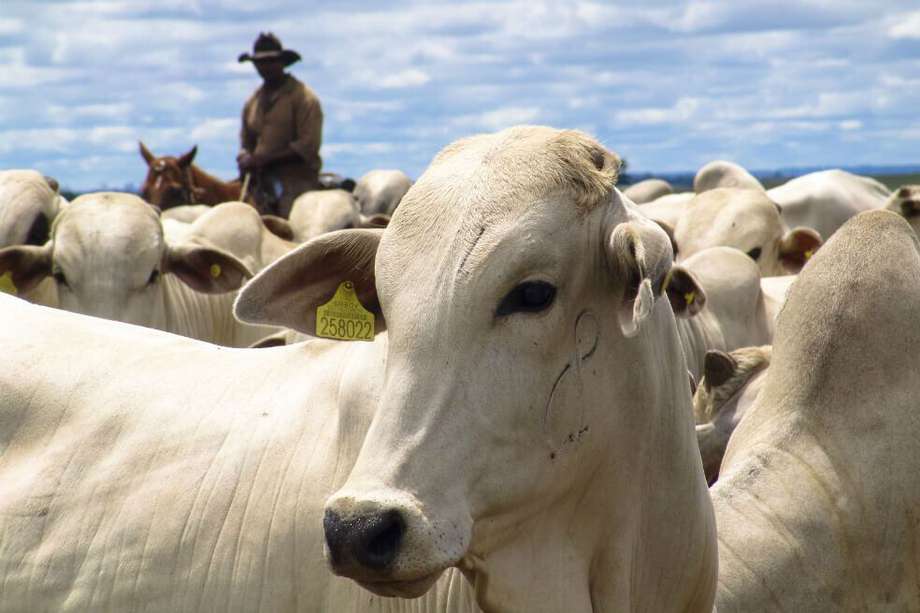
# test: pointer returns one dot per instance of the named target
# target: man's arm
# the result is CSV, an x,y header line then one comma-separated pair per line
x,y
309,121
247,142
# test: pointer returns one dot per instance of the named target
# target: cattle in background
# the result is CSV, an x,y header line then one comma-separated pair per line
x,y
905,201
379,192
319,212
727,306
824,200
29,202
746,220
108,257
818,492
730,385
173,181
720,173
648,190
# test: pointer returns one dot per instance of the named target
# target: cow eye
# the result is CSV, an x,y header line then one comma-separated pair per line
x,y
528,297
754,253
59,277
153,277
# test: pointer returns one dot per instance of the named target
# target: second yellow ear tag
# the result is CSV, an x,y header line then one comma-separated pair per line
x,y
215,270
689,297
6,283
809,253
344,317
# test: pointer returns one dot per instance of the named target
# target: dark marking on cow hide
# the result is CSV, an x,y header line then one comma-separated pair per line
x,y
470,250
562,430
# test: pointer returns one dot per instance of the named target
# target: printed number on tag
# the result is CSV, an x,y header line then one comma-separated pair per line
x,y
344,317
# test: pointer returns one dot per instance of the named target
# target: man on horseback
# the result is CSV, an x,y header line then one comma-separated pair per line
x,y
281,133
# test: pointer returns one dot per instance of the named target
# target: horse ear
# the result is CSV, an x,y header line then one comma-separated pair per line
x,y
188,158
145,153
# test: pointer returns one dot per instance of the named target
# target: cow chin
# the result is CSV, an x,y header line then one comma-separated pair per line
x,y
402,589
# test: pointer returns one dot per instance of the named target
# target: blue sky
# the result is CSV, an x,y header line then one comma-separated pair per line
x,y
668,85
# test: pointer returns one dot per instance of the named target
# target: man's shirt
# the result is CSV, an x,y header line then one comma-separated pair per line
x,y
289,117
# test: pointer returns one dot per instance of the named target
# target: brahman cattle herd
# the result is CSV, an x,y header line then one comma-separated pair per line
x,y
569,398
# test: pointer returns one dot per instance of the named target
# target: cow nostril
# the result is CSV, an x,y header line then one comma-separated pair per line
x,y
382,538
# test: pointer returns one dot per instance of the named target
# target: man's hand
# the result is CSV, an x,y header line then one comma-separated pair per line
x,y
244,162
253,161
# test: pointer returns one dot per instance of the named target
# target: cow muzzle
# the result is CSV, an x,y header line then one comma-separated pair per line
x,y
388,545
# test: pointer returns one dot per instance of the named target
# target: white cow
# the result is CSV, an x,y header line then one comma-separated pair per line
x,y
108,258
535,402
318,212
729,307
747,220
905,201
29,202
819,490
668,209
648,190
728,389
380,191
825,200
143,471
720,173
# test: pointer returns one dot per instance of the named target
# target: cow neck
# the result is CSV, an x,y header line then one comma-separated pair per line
x,y
636,537
205,317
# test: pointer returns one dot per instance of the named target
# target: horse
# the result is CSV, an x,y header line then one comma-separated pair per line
x,y
173,181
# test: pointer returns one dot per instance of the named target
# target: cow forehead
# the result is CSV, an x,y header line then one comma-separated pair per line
x,y
484,184
114,225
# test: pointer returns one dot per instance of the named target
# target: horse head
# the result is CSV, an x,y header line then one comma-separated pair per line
x,y
169,179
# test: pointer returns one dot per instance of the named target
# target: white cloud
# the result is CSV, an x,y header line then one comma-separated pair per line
x,y
906,26
411,77
683,110
216,129
498,119
851,124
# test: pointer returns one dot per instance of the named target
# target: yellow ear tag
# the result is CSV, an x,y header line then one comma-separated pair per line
x,y
689,297
215,271
344,318
6,283
809,253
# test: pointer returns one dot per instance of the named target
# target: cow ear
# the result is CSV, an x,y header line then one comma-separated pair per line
x,y
279,226
145,153
187,158
684,292
288,292
378,220
23,267
797,247
718,367
205,269
639,253
910,208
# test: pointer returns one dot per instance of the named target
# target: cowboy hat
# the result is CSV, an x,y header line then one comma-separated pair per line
x,y
268,47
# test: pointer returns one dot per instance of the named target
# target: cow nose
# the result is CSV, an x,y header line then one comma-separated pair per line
x,y
372,540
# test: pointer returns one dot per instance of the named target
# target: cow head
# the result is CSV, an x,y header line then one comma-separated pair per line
x,y
905,201
535,393
108,258
29,202
747,220
168,182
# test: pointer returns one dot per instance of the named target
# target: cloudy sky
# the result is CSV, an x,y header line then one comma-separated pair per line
x,y
669,85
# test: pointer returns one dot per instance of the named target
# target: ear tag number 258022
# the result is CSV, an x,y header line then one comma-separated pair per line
x,y
344,318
